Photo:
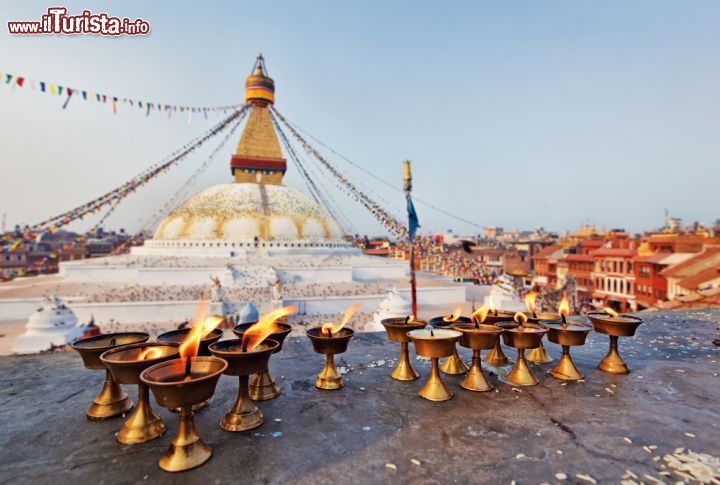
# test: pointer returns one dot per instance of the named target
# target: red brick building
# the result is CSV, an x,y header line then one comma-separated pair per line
x,y
650,285
675,243
580,268
696,276
613,277
659,252
546,261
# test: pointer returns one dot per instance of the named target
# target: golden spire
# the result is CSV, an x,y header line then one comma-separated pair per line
x,y
258,157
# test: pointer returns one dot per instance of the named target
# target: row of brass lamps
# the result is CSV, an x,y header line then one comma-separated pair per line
x,y
519,330
182,369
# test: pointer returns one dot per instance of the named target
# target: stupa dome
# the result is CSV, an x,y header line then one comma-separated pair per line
x,y
257,211
244,211
394,305
53,324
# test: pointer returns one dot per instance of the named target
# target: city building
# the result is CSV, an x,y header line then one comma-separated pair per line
x,y
579,269
694,277
492,233
658,252
545,266
614,278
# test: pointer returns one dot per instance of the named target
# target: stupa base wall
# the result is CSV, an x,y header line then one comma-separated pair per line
x,y
337,304
135,312
37,340
242,248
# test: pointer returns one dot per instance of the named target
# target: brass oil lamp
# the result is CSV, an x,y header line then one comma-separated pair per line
x,y
247,356
182,384
125,364
496,357
397,330
180,335
262,386
331,339
453,365
112,400
523,336
537,355
614,325
477,336
243,361
434,343
567,334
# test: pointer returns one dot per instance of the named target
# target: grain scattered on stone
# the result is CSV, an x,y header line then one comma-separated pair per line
x,y
652,479
629,474
584,477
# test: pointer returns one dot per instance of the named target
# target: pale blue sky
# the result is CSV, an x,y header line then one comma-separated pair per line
x,y
516,114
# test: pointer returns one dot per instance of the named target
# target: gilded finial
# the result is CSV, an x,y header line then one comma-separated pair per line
x,y
259,86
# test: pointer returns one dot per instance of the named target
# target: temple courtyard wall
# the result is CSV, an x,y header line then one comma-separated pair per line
x,y
83,277
178,311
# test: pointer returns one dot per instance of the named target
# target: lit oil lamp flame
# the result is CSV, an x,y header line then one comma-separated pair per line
x,y
610,312
520,318
191,345
480,314
564,308
150,353
253,336
530,300
331,328
491,305
201,327
454,315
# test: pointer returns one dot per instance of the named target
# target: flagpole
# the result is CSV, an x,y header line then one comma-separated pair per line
x,y
407,186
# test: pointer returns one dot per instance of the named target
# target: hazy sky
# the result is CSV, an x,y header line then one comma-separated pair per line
x,y
518,114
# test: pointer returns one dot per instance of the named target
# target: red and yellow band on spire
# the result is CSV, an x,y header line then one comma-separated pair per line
x,y
259,87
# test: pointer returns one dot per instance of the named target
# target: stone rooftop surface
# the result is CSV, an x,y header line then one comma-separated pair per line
x,y
377,430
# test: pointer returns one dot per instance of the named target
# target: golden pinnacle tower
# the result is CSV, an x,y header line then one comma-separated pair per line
x,y
258,157
256,206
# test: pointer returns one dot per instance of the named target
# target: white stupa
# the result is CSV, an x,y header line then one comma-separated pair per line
x,y
256,209
249,314
253,238
391,307
52,325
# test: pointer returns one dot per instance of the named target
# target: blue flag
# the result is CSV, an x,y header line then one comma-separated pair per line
x,y
413,222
